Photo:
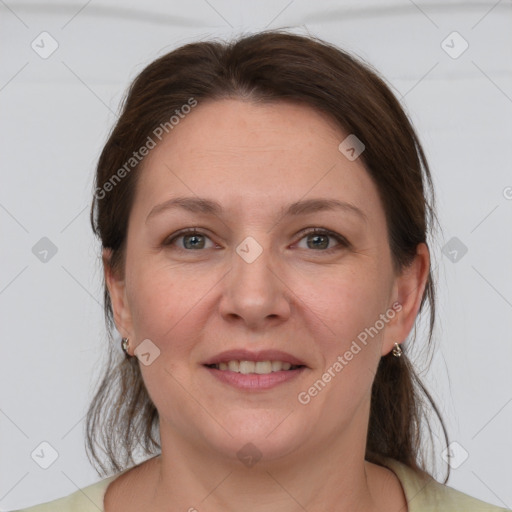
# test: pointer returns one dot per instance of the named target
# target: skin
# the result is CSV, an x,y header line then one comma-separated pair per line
x,y
296,297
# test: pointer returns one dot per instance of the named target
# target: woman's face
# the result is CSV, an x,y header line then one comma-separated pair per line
x,y
254,277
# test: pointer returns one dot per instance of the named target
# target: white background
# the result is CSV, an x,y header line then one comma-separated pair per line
x,y
56,114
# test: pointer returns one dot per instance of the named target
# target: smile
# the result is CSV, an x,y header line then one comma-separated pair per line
x,y
258,367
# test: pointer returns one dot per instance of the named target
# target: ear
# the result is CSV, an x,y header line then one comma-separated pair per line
x,y
407,293
117,291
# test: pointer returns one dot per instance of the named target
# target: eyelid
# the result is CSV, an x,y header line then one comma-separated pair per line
x,y
182,232
342,241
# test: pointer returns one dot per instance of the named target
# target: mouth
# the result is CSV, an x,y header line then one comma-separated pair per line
x,y
246,367
249,375
261,363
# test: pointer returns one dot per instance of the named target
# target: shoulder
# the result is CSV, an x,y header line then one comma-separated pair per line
x,y
89,498
424,494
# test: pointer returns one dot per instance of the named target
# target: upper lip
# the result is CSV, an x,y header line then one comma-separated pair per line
x,y
246,355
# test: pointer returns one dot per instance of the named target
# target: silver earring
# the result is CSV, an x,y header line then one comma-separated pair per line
x,y
397,351
124,346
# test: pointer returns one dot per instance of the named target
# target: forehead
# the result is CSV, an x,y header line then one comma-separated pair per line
x,y
227,129
269,154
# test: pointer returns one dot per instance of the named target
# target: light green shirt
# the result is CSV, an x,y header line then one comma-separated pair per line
x,y
422,494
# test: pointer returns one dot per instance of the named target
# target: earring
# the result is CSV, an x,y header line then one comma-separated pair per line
x,y
124,346
397,351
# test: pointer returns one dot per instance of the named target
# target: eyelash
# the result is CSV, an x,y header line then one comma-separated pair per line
x,y
316,231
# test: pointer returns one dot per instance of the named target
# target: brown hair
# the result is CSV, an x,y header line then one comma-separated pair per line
x,y
269,66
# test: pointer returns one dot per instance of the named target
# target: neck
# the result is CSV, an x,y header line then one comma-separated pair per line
x,y
333,478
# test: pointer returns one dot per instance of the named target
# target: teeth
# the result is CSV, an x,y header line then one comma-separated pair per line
x,y
259,367
247,367
277,365
262,367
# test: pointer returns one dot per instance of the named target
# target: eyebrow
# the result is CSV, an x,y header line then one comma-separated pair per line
x,y
210,207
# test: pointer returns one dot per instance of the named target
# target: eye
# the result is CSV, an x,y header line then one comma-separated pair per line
x,y
318,238
192,239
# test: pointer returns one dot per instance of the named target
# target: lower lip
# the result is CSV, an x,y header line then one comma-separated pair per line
x,y
255,381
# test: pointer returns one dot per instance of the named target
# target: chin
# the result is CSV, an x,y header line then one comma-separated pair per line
x,y
256,438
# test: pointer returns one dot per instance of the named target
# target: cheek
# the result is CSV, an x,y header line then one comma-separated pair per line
x,y
152,303
350,345
346,300
165,301
349,304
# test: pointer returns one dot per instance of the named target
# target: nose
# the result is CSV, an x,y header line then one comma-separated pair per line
x,y
255,294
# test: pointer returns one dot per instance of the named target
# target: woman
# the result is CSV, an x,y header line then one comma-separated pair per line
x,y
263,208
